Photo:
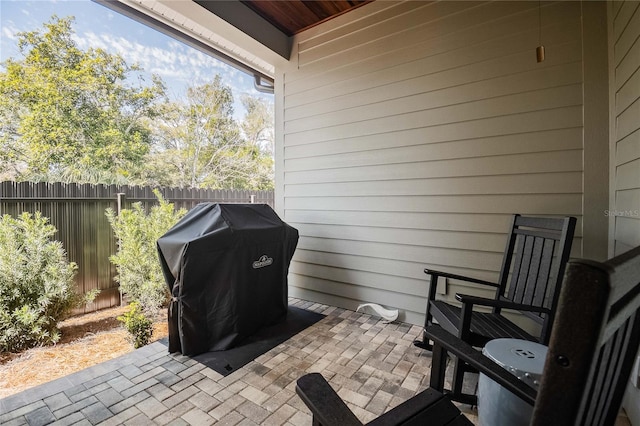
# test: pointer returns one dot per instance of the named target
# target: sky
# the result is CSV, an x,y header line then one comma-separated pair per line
x,y
98,26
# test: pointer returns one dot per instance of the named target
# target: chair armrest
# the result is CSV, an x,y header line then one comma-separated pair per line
x,y
465,352
459,277
505,304
325,404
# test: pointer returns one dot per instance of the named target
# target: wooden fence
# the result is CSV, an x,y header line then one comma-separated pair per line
x,y
78,213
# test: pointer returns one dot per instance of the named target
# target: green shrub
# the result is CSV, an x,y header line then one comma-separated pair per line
x,y
36,282
139,272
138,325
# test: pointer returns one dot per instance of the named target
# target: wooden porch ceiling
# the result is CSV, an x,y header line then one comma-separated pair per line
x,y
274,22
294,16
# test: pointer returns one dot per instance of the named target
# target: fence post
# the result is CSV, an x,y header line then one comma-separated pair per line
x,y
253,199
120,197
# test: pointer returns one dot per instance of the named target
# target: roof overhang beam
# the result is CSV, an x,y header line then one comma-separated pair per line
x,y
186,21
250,23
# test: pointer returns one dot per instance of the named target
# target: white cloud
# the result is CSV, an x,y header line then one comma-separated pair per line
x,y
9,33
8,45
174,62
179,65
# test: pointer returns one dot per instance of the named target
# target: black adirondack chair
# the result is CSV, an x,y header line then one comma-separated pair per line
x,y
530,278
593,345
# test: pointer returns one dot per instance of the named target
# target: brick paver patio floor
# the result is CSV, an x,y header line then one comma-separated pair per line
x,y
372,365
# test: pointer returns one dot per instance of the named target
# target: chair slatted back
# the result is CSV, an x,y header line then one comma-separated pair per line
x,y
534,262
593,344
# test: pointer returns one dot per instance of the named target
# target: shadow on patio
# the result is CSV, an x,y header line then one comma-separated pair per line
x,y
373,365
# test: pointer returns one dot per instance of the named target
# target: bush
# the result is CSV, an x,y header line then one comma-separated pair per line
x,y
139,272
36,283
138,325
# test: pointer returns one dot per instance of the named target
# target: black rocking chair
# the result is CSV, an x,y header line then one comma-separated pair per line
x,y
530,279
593,345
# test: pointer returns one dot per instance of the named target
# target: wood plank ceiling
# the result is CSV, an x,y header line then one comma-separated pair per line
x,y
294,16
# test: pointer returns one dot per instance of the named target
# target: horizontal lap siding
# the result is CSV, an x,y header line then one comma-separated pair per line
x,y
413,130
625,148
626,86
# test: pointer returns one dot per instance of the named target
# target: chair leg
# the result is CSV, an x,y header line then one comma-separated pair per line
x,y
428,318
459,370
424,343
438,373
438,368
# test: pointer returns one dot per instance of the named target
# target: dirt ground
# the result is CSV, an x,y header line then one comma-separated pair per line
x,y
86,340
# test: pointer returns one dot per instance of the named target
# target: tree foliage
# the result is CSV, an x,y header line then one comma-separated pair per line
x,y
200,145
36,282
139,272
76,116
139,326
71,115
257,127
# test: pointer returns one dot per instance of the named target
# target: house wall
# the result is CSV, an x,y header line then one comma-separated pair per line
x,y
624,40
625,147
409,132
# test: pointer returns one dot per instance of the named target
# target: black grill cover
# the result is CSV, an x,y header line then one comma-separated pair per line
x,y
226,266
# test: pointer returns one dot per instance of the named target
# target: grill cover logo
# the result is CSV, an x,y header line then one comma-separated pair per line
x,y
262,262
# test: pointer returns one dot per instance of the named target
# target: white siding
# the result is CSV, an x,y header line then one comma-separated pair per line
x,y
625,150
624,40
411,131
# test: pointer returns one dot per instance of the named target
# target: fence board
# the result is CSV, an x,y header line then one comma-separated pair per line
x,y
78,213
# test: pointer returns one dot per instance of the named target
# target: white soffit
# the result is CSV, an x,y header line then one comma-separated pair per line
x,y
190,18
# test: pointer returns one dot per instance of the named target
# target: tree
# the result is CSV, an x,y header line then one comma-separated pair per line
x,y
257,125
71,115
257,128
137,231
36,282
200,145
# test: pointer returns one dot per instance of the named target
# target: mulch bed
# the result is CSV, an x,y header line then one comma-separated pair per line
x,y
86,340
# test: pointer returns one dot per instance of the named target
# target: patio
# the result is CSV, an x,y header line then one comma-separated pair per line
x,y
374,366
406,133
